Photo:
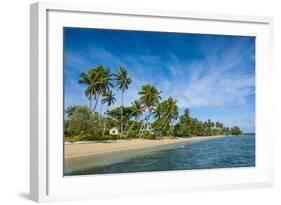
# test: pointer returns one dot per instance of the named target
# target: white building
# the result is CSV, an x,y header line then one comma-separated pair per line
x,y
114,131
148,129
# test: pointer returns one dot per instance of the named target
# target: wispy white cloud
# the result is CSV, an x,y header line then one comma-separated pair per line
x,y
203,83
209,82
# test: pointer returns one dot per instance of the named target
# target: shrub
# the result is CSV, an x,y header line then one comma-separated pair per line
x,y
147,135
104,137
118,137
78,122
73,138
133,134
91,137
235,131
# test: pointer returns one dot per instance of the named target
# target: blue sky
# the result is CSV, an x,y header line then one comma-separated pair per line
x,y
212,75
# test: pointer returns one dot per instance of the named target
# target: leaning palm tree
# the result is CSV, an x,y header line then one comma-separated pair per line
x,y
158,111
123,81
165,113
109,99
171,113
149,97
137,110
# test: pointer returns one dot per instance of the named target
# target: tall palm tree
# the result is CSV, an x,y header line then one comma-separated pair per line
x,y
123,81
109,99
149,97
98,81
89,80
137,110
103,83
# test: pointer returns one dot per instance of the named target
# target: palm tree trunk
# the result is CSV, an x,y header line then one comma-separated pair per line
x,y
101,105
104,125
140,131
144,122
173,127
121,113
147,119
131,126
164,120
90,109
90,106
96,101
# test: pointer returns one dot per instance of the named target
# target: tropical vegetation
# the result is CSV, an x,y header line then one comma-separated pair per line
x,y
149,117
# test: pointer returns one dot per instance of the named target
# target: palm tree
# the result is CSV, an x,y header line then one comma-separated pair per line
x,y
149,97
109,99
158,114
123,81
137,110
158,111
98,81
209,123
169,113
103,83
89,80
71,109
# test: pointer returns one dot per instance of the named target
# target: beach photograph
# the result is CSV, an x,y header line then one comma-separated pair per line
x,y
147,101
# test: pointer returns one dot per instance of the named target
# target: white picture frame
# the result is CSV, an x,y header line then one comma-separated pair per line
x,y
46,142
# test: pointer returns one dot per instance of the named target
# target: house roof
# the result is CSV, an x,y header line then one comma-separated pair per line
x,y
114,128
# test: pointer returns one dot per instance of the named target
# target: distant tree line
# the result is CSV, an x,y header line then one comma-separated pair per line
x,y
188,126
149,117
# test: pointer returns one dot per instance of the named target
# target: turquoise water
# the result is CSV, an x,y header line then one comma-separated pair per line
x,y
226,152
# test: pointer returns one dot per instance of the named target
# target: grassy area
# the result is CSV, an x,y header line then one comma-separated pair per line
x,y
73,138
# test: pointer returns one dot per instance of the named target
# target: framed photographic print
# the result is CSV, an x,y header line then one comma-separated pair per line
x,y
127,102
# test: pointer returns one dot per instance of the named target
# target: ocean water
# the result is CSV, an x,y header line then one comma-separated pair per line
x,y
226,152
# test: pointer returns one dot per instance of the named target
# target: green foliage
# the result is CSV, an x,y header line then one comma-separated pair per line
x,y
188,126
98,82
73,138
133,134
104,137
149,136
108,98
183,128
166,113
235,131
122,79
136,109
71,109
116,114
79,121
149,96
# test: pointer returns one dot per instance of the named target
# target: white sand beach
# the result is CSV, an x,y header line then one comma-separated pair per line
x,y
82,148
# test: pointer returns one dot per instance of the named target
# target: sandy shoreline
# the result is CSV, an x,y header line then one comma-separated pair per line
x,y
80,149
